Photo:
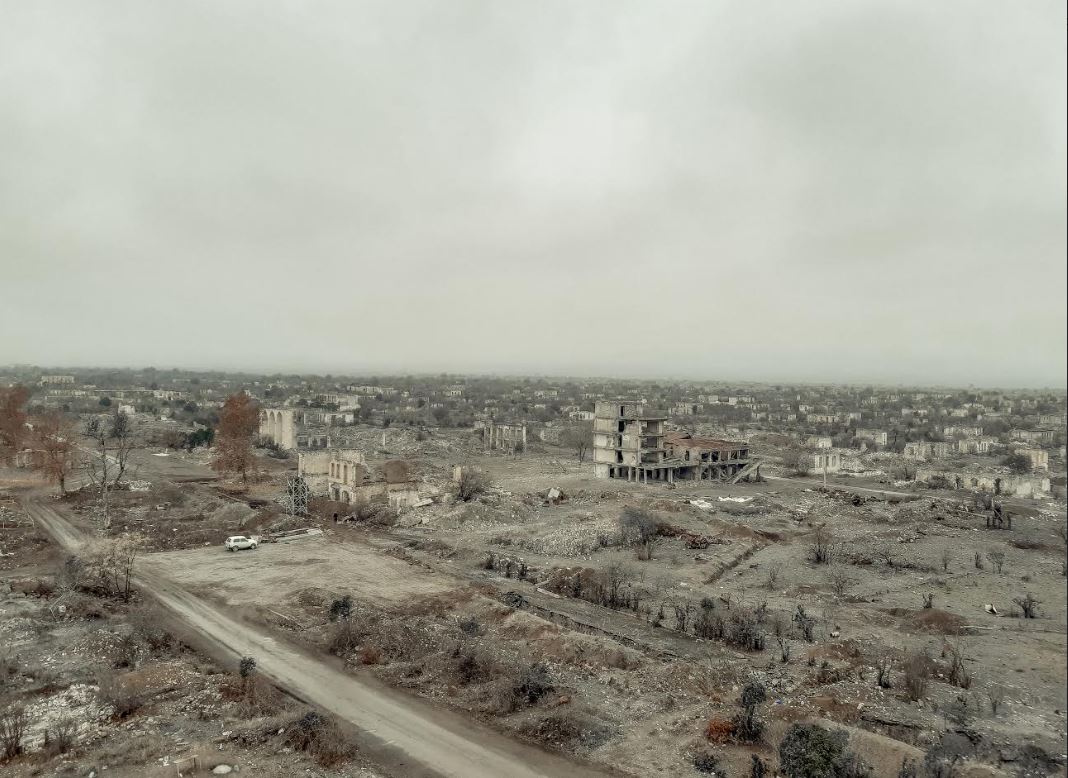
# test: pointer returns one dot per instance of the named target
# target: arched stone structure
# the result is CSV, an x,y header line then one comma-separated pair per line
x,y
279,425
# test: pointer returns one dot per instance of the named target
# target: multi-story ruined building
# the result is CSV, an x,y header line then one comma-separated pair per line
x,y
627,442
630,442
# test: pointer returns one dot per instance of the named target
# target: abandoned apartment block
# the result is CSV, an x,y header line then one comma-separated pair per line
x,y
630,443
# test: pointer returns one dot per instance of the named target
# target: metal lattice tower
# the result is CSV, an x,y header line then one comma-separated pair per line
x,y
295,500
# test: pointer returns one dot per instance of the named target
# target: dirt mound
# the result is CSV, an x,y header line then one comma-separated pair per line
x,y
932,620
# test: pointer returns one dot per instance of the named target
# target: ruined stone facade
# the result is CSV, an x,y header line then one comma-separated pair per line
x,y
994,483
504,437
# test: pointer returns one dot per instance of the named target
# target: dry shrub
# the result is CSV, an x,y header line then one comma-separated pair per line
x,y
314,597
533,683
148,628
343,638
917,669
60,738
260,697
569,730
138,750
518,687
13,725
472,483
472,667
124,693
619,659
321,737
956,671
706,761
499,698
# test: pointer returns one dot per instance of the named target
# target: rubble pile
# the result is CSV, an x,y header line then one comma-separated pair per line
x,y
576,541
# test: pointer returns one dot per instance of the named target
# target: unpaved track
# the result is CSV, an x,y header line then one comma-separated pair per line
x,y
431,741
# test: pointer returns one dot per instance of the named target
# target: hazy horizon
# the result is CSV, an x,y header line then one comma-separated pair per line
x,y
738,381
862,193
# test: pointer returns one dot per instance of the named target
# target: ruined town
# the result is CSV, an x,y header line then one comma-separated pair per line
x,y
560,389
208,570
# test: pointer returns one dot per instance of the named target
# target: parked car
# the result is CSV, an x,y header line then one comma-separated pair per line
x,y
238,542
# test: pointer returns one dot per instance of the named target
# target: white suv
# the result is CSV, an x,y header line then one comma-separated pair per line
x,y
238,542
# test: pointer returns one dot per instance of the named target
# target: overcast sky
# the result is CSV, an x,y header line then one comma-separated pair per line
x,y
821,191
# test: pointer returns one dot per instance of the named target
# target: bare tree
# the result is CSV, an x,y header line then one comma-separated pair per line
x,y
947,558
106,464
797,460
125,552
578,438
106,565
640,527
997,558
841,582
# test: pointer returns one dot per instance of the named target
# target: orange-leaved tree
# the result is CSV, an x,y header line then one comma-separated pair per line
x,y
239,420
53,447
13,429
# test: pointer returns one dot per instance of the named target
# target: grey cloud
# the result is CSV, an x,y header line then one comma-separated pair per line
x,y
818,191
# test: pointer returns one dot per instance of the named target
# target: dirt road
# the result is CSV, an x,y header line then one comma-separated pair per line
x,y
415,737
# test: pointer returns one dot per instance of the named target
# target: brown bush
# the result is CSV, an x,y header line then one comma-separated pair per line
x,y
719,730
370,655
